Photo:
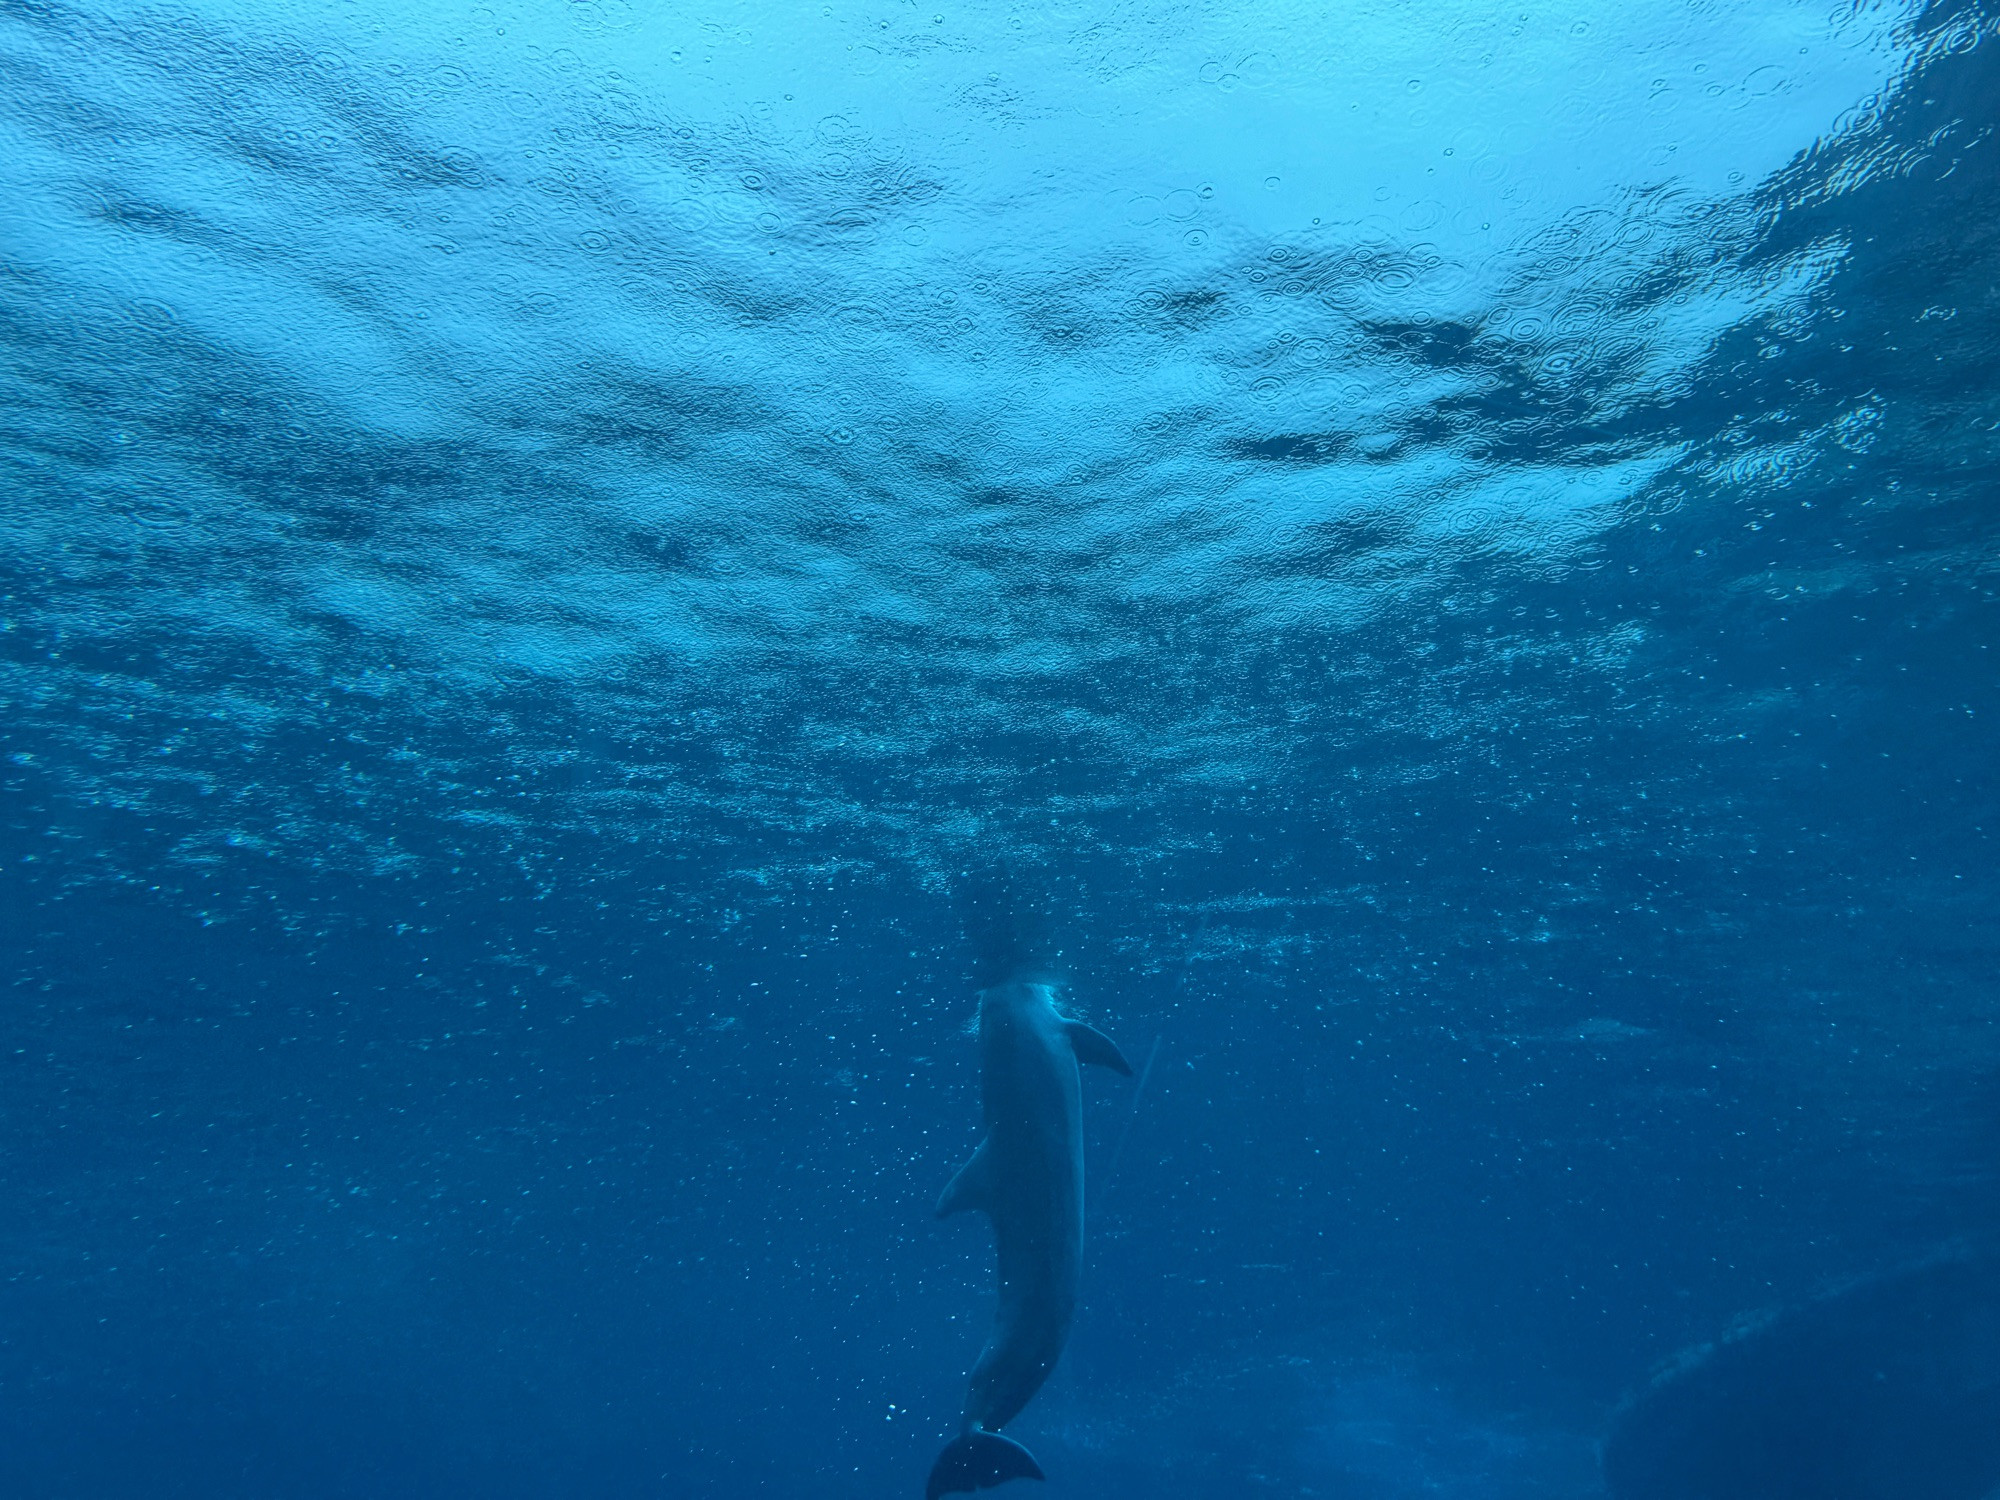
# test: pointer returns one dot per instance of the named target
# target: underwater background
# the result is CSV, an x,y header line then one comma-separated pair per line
x,y
542,541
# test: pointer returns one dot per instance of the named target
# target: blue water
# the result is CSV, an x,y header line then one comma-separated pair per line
x,y
1456,541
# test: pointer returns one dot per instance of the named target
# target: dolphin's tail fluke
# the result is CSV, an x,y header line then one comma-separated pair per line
x,y
979,1460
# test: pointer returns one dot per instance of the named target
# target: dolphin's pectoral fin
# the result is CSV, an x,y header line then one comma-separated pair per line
x,y
979,1461
969,1188
1094,1046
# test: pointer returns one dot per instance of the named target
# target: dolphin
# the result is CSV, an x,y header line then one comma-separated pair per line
x,y
1027,1178
1885,1389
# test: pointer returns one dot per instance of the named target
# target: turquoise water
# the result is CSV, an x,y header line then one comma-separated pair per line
x,y
542,540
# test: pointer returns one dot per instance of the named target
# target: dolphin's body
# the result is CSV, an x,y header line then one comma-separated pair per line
x,y
1888,1389
1027,1177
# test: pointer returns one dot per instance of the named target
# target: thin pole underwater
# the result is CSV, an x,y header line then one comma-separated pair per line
x,y
1146,1073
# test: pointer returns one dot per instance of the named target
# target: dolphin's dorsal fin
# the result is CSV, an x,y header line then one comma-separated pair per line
x,y
1093,1046
969,1188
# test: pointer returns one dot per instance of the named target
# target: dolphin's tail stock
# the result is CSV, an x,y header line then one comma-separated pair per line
x,y
1009,931
978,1460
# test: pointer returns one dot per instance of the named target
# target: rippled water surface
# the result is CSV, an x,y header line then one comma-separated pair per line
x,y
1456,542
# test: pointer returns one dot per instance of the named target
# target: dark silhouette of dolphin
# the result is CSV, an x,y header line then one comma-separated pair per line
x,y
1027,1177
1888,1389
